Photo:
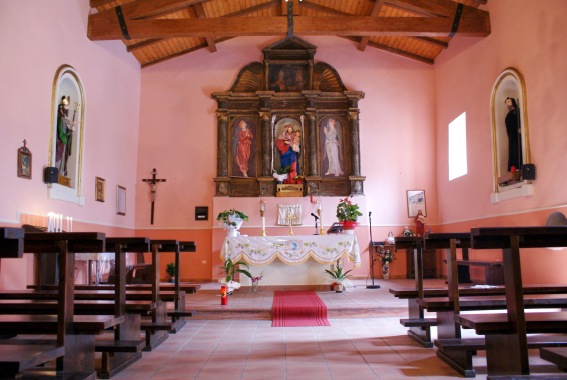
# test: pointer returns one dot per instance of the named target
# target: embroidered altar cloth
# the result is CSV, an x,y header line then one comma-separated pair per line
x,y
262,250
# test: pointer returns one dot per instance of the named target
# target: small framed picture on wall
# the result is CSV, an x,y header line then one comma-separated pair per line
x,y
416,202
24,162
99,189
120,200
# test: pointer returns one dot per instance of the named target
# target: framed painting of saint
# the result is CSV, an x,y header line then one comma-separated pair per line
x,y
244,147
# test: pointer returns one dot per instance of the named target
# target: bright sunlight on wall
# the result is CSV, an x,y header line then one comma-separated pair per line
x,y
458,147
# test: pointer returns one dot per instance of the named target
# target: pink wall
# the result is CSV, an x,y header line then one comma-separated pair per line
x,y
530,37
178,136
163,117
55,34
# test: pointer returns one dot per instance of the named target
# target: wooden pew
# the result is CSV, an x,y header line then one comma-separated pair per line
x,y
506,334
17,358
75,333
419,327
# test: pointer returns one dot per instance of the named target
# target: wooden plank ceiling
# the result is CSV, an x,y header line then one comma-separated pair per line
x,y
157,30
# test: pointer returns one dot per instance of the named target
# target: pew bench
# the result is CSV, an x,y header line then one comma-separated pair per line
x,y
555,355
458,353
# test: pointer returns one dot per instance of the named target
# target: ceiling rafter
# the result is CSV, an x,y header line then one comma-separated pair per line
x,y
157,30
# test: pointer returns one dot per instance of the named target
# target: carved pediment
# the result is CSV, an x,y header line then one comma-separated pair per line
x,y
292,48
249,79
326,78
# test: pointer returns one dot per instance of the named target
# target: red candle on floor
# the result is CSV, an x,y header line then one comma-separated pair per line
x,y
224,295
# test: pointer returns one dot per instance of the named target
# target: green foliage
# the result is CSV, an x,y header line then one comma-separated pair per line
x,y
346,210
170,269
337,272
284,170
230,268
224,216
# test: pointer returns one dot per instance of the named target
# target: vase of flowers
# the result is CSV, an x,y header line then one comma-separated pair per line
x,y
231,220
386,257
348,213
256,282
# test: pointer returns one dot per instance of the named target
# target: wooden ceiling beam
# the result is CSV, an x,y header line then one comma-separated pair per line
x,y
394,51
182,52
242,12
374,13
200,10
108,28
143,9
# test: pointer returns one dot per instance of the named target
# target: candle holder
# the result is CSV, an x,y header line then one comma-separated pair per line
x,y
290,217
321,230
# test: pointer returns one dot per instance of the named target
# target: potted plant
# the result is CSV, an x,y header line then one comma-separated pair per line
x,y
348,213
231,220
338,275
170,270
281,174
229,269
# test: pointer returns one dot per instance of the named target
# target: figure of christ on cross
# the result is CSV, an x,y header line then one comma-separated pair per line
x,y
153,183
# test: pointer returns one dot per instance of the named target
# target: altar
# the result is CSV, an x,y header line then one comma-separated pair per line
x,y
291,260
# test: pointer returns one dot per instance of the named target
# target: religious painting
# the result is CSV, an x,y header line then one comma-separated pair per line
x,y
416,203
288,77
244,147
66,142
99,189
120,200
511,150
332,146
24,162
288,152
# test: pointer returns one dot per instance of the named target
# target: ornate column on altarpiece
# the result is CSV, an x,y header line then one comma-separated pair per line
x,y
222,180
266,181
356,180
313,176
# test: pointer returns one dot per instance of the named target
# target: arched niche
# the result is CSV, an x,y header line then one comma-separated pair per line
x,y
66,142
510,182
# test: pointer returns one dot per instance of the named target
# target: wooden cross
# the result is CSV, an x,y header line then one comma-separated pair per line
x,y
153,182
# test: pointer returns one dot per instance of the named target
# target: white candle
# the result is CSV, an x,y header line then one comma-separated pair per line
x,y
71,224
262,205
319,206
60,222
49,221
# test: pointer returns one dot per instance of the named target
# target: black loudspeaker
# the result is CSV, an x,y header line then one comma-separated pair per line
x,y
528,171
50,174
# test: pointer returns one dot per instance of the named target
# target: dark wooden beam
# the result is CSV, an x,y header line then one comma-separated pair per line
x,y
182,52
200,10
433,41
374,13
108,28
395,51
242,12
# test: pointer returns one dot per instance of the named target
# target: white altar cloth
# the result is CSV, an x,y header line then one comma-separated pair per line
x,y
261,253
262,250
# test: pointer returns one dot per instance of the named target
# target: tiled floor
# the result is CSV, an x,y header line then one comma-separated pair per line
x,y
374,346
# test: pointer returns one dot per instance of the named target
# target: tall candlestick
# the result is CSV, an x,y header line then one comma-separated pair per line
x,y
321,230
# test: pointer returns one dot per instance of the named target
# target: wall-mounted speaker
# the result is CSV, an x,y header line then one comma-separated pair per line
x,y
50,174
528,171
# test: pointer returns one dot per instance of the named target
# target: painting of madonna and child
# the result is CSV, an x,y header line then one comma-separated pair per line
x,y
289,154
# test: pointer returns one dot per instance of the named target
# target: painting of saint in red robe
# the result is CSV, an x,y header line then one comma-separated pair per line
x,y
244,150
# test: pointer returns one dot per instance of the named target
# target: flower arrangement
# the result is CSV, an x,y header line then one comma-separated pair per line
x,y
257,278
407,232
232,217
347,213
386,256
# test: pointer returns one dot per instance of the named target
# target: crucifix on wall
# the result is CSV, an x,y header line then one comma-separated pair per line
x,y
153,184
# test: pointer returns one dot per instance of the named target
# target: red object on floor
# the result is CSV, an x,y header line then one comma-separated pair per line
x,y
298,308
224,295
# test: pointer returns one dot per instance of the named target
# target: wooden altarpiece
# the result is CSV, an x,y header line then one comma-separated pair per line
x,y
288,89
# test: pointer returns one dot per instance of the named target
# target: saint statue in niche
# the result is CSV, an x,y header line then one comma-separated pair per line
x,y
514,132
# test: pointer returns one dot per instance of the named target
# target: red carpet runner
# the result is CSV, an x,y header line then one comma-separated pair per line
x,y
298,308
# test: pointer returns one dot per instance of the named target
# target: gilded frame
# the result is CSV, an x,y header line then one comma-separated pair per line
x,y
24,163
100,189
